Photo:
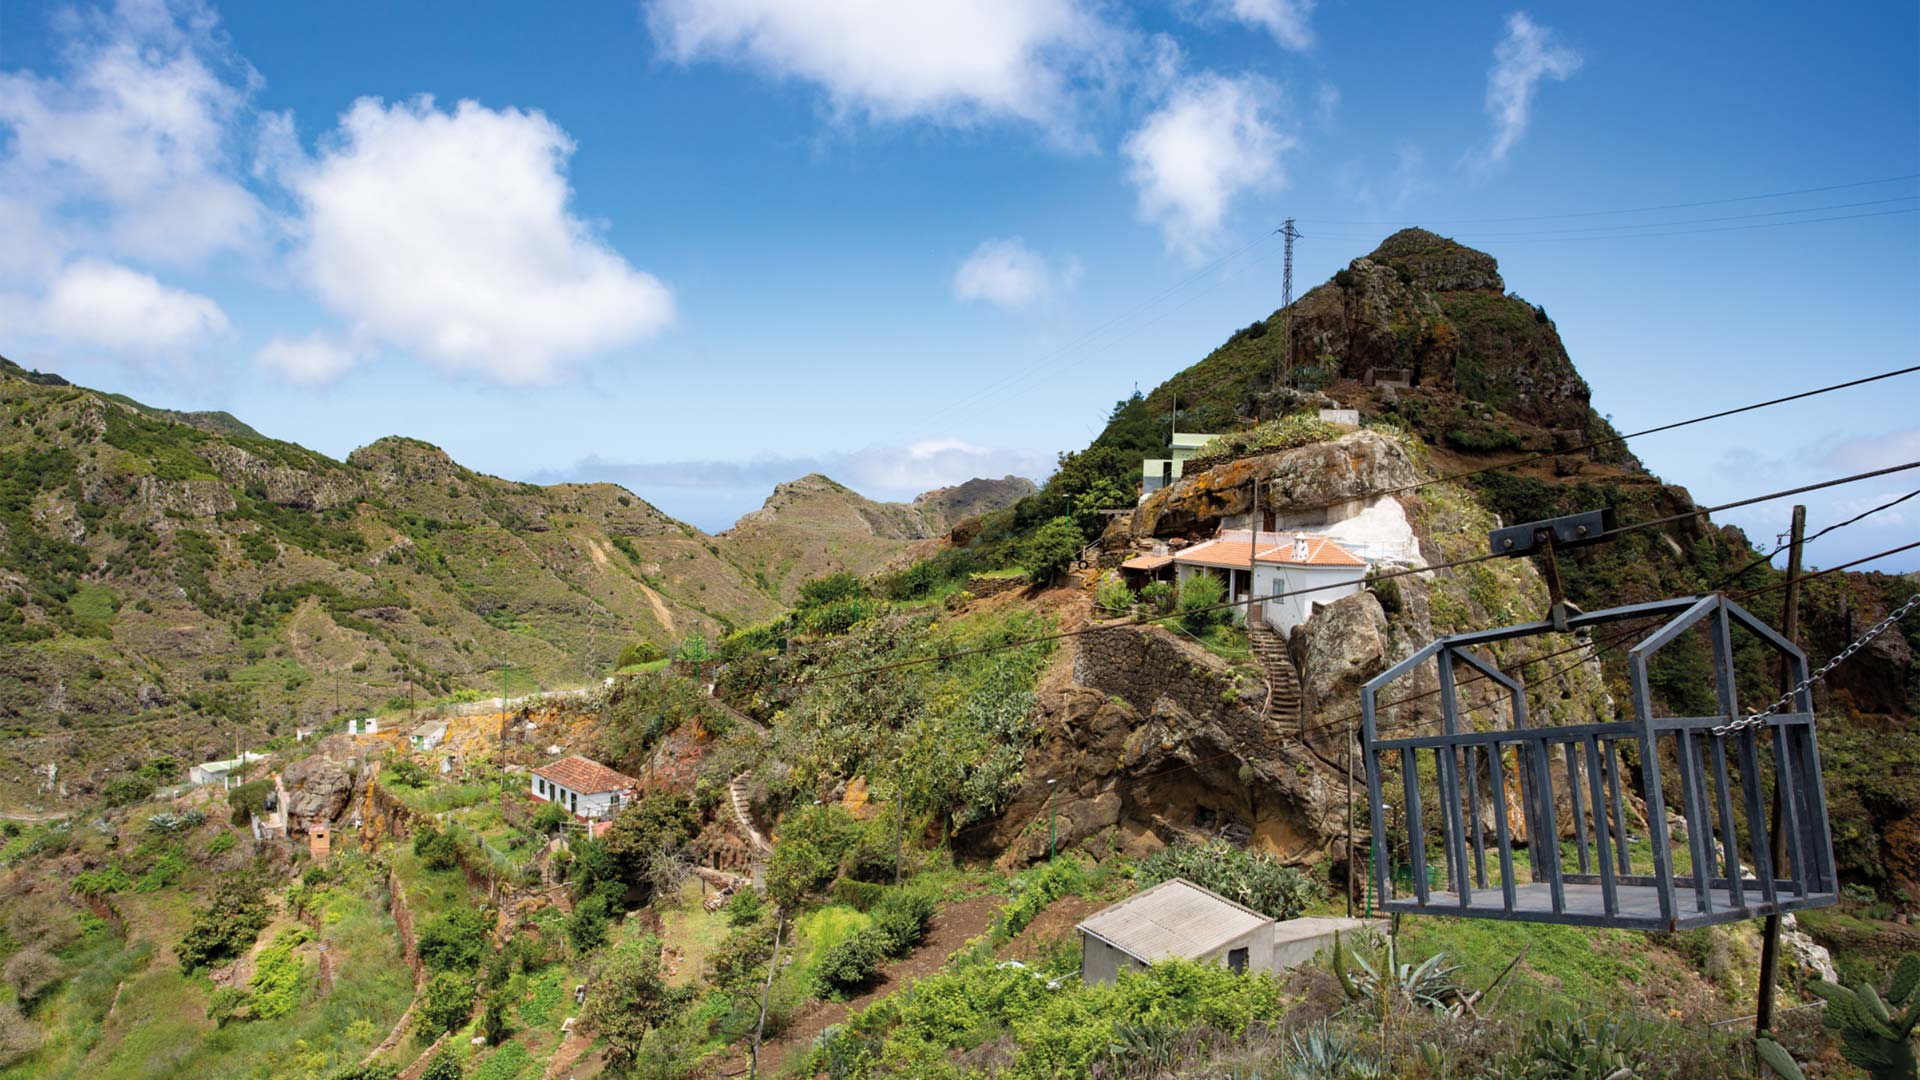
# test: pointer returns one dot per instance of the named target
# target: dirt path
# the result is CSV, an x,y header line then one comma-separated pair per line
x,y
1052,924
570,1050
955,925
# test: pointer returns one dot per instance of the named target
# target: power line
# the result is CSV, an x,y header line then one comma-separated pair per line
x,y
1768,557
1635,209
1677,232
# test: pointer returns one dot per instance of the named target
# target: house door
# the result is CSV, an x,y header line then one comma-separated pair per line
x,y
1237,961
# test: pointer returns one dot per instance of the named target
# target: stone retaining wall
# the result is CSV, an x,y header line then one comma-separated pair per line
x,y
982,587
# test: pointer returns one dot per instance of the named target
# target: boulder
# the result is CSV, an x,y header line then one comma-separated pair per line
x,y
318,791
1344,644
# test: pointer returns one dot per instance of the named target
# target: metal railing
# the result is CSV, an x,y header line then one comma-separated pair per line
x,y
1718,771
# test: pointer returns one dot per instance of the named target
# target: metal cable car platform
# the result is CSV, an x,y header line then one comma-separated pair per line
x,y
1497,801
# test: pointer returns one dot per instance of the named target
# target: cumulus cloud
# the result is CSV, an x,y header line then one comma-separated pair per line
x,y
1528,54
449,234
1215,139
131,143
102,303
315,360
1009,274
1287,20
956,62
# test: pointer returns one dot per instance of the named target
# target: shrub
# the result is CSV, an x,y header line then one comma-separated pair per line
x,y
1158,595
745,908
32,972
1035,889
1252,878
225,1003
629,996
640,652
227,925
437,850
247,800
126,790
368,1071
900,919
1200,598
832,589
550,818
444,1005
107,879
851,964
455,940
444,1066
278,976
400,770
1113,596
1051,550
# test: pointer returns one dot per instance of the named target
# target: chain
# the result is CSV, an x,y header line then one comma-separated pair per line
x,y
1757,719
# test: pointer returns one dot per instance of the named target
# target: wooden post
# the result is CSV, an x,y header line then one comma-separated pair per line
x,y
1770,932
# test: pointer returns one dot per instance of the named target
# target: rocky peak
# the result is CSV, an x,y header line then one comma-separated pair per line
x,y
1436,264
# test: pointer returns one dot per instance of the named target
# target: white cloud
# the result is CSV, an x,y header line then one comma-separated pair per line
x,y
1214,140
309,361
885,472
449,234
102,303
130,144
1009,274
1864,453
1286,20
949,61
1526,55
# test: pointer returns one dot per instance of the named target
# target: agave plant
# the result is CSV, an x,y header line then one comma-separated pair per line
x,y
1429,984
1323,1052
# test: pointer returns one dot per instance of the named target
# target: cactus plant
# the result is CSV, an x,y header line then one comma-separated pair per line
x,y
1872,1035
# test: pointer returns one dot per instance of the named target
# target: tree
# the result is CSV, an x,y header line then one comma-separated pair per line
x,y
647,840
444,1005
1051,550
437,850
444,1066
1200,598
1103,494
227,925
628,996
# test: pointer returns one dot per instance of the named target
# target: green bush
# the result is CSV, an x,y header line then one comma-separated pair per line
x,y
832,589
550,819
745,908
1050,551
279,977
444,1005
1037,888
1113,596
126,790
1158,595
456,940
437,850
369,1071
640,652
248,800
444,1066
1200,598
1252,878
851,964
901,918
227,925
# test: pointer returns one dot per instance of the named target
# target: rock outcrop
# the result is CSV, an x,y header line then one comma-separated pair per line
x,y
319,789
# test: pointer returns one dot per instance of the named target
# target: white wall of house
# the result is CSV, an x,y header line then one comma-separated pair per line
x,y
1329,582
594,807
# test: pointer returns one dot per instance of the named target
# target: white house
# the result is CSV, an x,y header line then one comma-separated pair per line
x,y
1156,473
428,735
585,787
1282,564
221,772
1178,919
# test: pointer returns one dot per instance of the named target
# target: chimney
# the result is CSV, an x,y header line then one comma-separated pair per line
x,y
1299,547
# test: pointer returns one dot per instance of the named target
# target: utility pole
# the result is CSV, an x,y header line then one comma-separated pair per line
x,y
1770,932
773,965
1289,234
1476,823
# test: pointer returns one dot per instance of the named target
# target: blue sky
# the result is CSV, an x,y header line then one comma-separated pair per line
x,y
700,246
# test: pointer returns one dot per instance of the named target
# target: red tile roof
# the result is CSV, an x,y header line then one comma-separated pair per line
x,y
583,776
1235,551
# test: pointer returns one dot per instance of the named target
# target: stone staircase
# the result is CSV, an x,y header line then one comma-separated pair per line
x,y
1283,682
737,798
1285,708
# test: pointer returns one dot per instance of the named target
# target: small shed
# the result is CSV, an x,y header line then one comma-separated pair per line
x,y
428,735
1174,919
221,772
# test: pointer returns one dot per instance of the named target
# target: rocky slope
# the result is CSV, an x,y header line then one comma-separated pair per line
x,y
166,578
813,526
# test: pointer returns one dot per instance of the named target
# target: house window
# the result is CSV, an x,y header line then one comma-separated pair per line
x,y
1237,961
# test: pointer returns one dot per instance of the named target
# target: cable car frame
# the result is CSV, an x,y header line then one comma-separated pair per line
x,y
1715,887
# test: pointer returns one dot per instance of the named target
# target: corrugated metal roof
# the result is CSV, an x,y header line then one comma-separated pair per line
x,y
1174,918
